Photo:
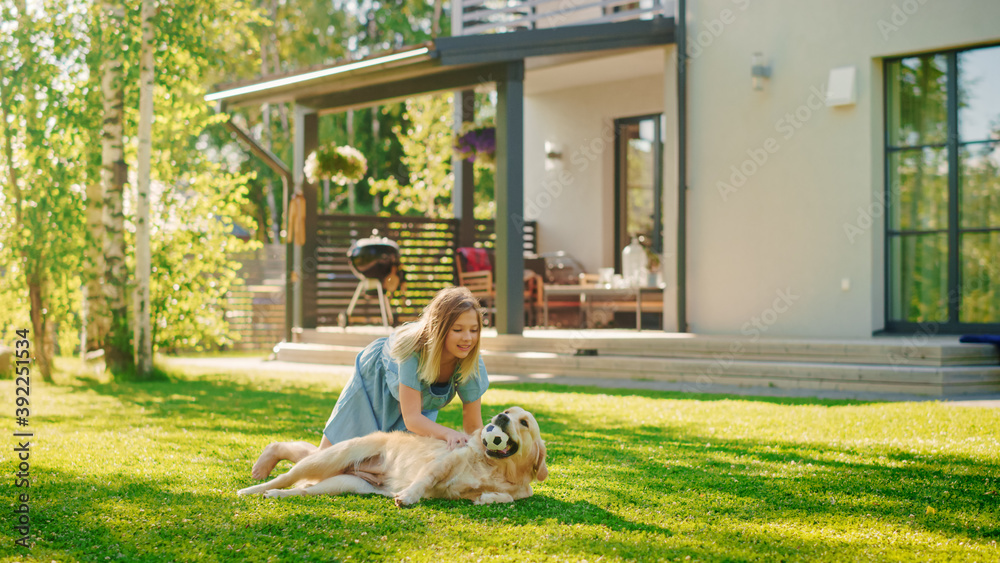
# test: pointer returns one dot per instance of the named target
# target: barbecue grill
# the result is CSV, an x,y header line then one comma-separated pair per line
x,y
372,260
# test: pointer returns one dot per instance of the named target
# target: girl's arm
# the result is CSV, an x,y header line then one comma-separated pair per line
x,y
410,403
472,417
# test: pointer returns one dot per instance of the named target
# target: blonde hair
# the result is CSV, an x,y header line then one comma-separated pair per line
x,y
425,337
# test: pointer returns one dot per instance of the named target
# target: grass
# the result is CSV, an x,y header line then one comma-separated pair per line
x,y
148,472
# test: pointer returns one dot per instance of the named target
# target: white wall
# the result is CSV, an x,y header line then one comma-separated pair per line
x,y
782,230
575,105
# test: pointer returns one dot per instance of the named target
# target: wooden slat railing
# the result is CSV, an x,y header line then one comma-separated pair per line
x,y
470,17
427,253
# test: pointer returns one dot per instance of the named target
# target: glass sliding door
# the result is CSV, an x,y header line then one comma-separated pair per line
x,y
638,183
943,191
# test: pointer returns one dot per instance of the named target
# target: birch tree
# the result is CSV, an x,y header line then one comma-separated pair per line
x,y
143,338
117,349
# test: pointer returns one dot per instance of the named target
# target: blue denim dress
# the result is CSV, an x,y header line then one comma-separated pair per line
x,y
370,401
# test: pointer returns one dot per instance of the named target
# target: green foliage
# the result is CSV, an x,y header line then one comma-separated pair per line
x,y
634,476
43,163
56,124
426,139
192,270
426,143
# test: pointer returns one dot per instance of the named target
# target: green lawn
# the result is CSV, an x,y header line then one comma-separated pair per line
x,y
149,472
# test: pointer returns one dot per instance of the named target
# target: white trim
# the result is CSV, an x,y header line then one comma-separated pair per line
x,y
313,75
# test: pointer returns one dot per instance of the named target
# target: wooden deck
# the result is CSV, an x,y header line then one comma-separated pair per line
x,y
938,366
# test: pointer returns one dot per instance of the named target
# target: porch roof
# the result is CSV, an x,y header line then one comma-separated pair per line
x,y
449,63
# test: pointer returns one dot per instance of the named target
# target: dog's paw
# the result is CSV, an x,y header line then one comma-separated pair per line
x,y
406,498
245,492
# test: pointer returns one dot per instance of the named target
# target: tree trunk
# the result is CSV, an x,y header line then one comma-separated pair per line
x,y
117,348
41,347
94,314
268,45
143,340
436,25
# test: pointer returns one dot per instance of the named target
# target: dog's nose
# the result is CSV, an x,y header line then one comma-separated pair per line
x,y
502,421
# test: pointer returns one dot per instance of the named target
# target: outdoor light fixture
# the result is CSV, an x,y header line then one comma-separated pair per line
x,y
553,150
553,155
314,75
758,70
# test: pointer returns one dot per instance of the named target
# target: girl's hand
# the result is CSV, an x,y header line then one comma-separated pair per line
x,y
456,439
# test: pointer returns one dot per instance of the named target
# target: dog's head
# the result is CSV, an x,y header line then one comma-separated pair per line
x,y
525,449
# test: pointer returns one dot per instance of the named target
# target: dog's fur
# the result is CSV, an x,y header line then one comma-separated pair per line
x,y
410,467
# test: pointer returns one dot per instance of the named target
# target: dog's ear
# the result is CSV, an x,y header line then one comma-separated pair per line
x,y
541,470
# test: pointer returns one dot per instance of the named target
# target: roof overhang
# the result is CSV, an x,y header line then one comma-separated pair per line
x,y
450,63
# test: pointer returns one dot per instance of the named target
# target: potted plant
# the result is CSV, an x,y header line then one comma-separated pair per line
x,y
477,142
341,164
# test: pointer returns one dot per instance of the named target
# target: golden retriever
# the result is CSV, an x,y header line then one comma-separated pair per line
x,y
411,467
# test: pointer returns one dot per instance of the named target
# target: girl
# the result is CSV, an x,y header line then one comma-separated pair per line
x,y
401,382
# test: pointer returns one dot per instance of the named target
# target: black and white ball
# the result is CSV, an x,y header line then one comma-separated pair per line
x,y
493,437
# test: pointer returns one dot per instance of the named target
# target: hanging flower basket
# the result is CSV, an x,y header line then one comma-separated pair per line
x,y
477,142
340,164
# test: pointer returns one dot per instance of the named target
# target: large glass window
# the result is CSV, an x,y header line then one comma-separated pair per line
x,y
943,189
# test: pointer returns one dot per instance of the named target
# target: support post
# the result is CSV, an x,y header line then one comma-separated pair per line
x,y
510,201
306,131
682,323
462,194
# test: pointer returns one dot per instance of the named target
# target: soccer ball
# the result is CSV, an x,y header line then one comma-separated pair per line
x,y
493,437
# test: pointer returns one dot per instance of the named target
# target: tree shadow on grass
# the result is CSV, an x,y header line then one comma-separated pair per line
x,y
76,516
207,403
704,495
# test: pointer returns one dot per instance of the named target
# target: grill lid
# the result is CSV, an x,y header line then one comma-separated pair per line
x,y
373,257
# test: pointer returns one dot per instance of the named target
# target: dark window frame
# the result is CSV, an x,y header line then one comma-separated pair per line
x,y
619,191
954,230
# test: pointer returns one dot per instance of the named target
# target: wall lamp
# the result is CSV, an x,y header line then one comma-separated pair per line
x,y
759,71
553,155
553,150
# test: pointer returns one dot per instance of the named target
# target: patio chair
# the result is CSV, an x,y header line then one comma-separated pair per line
x,y
474,270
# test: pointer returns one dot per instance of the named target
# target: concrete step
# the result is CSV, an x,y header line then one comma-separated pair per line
x,y
702,372
891,351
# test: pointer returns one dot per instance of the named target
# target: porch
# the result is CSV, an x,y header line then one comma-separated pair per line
x,y
928,366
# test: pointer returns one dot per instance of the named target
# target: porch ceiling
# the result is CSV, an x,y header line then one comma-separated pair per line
x,y
450,63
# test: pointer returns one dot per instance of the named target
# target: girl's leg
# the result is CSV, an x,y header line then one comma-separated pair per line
x,y
277,451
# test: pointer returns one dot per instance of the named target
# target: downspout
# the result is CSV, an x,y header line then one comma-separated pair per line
x,y
279,168
681,22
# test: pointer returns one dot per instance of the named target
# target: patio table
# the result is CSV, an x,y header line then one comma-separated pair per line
x,y
589,293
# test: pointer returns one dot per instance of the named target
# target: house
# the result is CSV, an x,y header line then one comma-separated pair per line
x,y
804,215
840,158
